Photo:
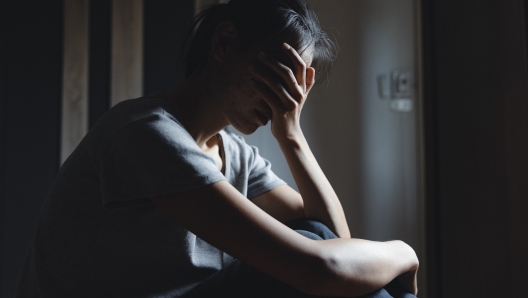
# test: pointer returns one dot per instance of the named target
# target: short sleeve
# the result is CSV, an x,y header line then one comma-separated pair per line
x,y
261,178
150,156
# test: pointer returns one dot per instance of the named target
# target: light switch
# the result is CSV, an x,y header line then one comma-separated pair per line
x,y
402,83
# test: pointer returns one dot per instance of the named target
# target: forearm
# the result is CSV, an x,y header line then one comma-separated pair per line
x,y
320,199
285,90
356,267
336,267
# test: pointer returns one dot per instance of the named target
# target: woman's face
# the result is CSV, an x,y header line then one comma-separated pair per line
x,y
244,109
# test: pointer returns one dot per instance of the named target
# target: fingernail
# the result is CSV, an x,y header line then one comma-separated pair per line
x,y
286,46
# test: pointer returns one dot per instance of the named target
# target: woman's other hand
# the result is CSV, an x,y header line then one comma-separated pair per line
x,y
284,89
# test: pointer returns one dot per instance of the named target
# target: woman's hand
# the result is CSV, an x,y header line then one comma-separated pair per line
x,y
285,90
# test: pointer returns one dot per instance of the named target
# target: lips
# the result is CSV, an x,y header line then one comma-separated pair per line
x,y
262,118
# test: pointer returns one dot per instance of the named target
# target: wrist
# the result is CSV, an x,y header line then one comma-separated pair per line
x,y
291,143
290,137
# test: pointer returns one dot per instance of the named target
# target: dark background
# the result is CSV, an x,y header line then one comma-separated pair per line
x,y
476,131
476,125
30,101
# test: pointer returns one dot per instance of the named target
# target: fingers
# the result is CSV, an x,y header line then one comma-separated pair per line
x,y
290,85
271,97
274,90
289,79
299,66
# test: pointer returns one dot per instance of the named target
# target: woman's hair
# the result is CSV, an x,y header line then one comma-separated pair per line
x,y
261,22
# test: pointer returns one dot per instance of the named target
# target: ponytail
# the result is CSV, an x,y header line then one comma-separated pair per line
x,y
203,26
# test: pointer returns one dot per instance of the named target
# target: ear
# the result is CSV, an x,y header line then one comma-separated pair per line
x,y
224,40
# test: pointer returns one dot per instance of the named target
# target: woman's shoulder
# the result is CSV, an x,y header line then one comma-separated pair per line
x,y
151,109
137,108
144,118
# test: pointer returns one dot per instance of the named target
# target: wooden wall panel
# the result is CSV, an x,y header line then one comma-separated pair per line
x,y
127,50
75,76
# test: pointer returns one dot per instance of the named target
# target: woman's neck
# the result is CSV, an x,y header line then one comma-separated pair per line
x,y
200,113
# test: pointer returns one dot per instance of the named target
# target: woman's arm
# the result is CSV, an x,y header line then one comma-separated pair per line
x,y
223,217
285,90
320,200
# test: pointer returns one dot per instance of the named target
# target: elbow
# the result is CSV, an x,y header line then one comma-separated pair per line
x,y
320,278
330,276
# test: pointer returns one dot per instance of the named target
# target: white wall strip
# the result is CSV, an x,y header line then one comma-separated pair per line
x,y
127,50
75,76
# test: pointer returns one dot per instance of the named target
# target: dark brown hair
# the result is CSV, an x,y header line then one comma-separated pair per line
x,y
263,22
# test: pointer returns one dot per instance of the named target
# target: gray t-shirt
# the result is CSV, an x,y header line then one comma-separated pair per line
x,y
99,235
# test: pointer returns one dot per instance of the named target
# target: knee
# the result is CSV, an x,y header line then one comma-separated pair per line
x,y
310,235
313,226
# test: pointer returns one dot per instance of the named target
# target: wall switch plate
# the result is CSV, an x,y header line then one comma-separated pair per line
x,y
402,83
404,105
384,86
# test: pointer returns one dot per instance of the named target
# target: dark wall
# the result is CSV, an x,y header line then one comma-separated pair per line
x,y
30,102
166,24
476,111
99,58
30,114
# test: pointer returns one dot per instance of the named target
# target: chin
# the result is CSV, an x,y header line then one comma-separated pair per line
x,y
246,129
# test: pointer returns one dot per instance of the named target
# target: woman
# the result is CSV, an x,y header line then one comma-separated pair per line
x,y
154,201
